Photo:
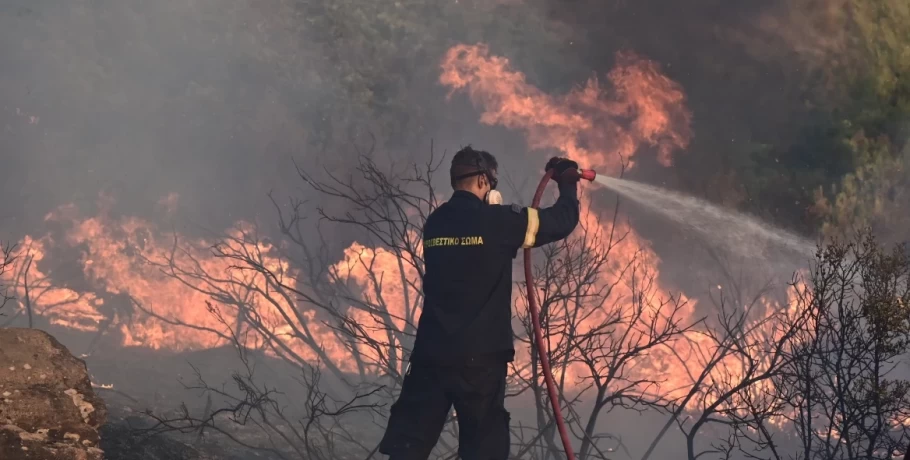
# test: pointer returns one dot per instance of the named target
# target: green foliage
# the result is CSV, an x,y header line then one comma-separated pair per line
x,y
879,96
875,195
845,168
884,37
875,128
780,182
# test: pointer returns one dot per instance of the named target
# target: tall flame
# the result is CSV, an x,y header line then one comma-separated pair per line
x,y
603,129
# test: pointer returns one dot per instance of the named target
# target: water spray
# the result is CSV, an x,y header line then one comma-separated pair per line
x,y
589,175
736,232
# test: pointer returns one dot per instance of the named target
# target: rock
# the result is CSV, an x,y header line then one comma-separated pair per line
x,y
48,410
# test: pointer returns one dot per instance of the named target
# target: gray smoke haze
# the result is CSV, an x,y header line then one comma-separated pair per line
x,y
211,99
207,99
139,99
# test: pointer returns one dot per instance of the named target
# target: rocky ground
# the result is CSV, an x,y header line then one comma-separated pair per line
x,y
50,411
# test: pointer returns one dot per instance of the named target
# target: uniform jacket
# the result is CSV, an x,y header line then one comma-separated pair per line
x,y
469,247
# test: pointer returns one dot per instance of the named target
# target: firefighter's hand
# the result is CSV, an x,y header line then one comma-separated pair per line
x,y
561,165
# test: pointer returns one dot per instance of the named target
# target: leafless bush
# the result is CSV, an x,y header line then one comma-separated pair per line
x,y
814,378
843,392
320,431
602,313
749,348
292,302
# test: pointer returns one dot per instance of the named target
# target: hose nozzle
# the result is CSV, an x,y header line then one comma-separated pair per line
x,y
586,174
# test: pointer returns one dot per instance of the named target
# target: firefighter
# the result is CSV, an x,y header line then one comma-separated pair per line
x,y
464,337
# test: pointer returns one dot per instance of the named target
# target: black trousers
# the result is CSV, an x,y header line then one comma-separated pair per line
x,y
427,397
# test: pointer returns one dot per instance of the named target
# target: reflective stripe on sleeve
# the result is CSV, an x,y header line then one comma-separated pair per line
x,y
533,226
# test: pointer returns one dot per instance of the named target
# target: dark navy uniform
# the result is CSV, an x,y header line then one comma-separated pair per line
x,y
464,337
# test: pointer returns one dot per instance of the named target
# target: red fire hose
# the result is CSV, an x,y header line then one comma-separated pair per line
x,y
586,174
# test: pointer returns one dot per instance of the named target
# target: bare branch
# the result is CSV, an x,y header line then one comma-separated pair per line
x,y
7,258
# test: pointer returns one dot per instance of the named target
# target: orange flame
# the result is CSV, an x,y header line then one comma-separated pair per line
x,y
34,291
161,286
589,124
389,301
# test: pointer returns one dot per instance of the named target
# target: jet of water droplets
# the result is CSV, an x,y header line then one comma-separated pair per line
x,y
736,232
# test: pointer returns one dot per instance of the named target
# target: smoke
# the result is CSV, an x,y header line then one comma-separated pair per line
x,y
753,74
142,100
748,68
184,112
815,30
208,100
